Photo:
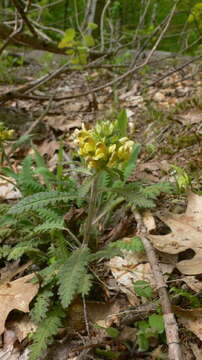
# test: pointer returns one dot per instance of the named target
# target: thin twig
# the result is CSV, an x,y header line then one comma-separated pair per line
x,y
20,10
171,327
73,236
14,32
40,118
173,72
86,316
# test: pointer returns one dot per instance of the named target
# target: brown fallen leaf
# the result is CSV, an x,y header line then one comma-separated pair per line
x,y
186,234
196,351
8,190
149,221
60,122
134,266
103,314
191,319
191,116
17,295
193,283
22,327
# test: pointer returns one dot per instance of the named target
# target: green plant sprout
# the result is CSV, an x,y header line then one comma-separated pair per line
x,y
5,135
183,180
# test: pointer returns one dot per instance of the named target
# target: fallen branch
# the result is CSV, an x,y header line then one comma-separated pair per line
x,y
171,326
30,41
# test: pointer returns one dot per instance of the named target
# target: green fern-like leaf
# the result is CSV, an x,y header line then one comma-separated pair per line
x,y
39,200
139,200
49,274
85,284
133,244
106,253
24,247
40,309
85,188
70,275
47,214
45,333
152,191
4,251
49,226
24,139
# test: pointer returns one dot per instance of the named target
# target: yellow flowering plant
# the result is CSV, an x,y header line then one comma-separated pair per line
x,y
106,148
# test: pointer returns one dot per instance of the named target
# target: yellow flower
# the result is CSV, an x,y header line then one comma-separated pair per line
x,y
93,164
112,148
101,151
113,160
6,134
125,150
88,146
123,140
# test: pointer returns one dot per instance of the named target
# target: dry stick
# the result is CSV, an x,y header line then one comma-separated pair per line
x,y
31,41
20,9
15,32
171,327
172,72
32,85
40,118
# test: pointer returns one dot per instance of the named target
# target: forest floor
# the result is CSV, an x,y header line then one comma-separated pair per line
x,y
165,117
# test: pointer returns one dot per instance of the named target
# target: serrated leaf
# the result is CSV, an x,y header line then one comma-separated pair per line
x,y
86,283
70,275
49,226
38,312
130,244
38,200
45,332
106,253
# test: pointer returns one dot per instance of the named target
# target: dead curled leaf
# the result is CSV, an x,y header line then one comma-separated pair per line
x,y
134,266
17,295
186,233
191,319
